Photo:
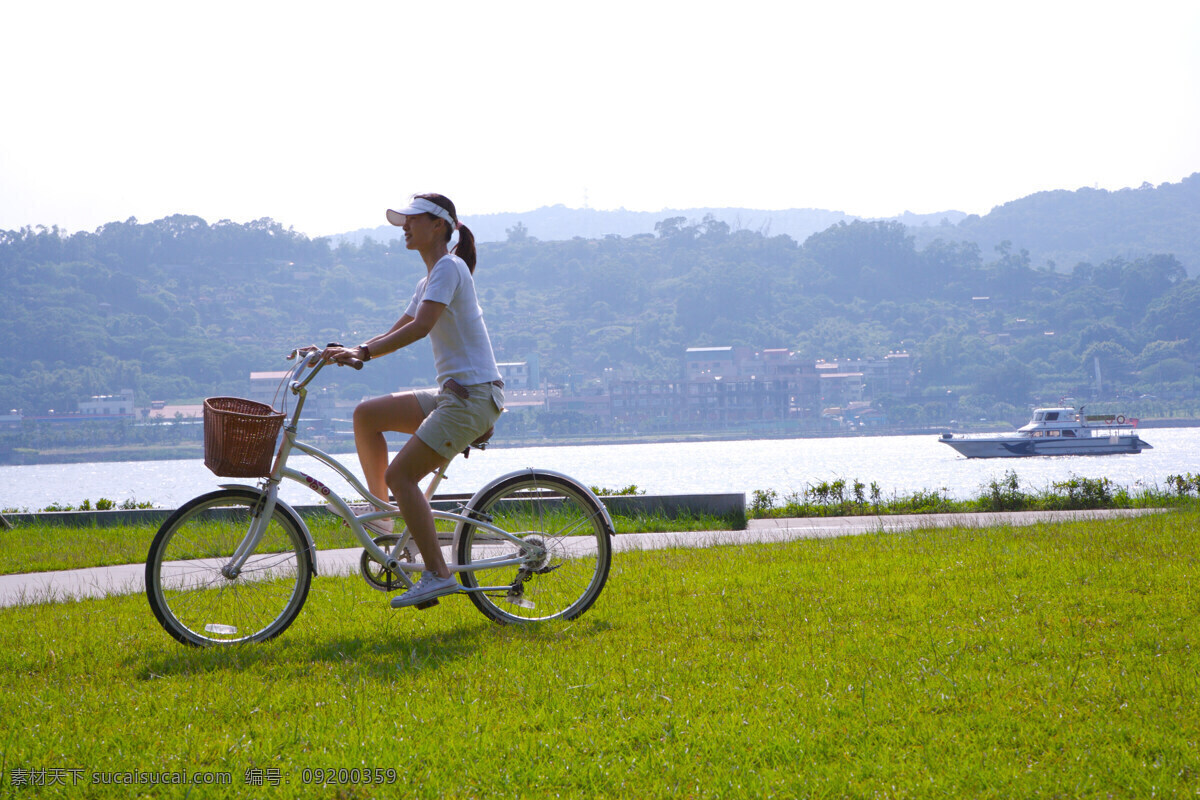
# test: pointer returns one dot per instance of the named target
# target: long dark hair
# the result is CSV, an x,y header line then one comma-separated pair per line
x,y
465,249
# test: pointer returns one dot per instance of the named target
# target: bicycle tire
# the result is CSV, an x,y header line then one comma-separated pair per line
x,y
563,522
196,603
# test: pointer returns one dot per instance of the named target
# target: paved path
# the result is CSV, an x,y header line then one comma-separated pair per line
x,y
76,584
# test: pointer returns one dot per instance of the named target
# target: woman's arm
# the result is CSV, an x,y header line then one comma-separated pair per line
x,y
406,331
400,323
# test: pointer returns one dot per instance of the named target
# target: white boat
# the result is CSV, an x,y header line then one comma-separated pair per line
x,y
1054,432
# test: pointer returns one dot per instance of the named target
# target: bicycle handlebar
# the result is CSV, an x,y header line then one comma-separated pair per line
x,y
309,358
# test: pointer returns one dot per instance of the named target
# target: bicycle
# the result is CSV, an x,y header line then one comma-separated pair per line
x,y
235,565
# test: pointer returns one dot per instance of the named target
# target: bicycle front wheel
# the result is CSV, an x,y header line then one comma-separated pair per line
x,y
559,568
194,594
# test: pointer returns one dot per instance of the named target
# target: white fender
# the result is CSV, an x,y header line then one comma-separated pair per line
x,y
585,491
291,512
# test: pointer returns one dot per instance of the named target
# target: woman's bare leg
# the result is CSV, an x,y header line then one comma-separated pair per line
x,y
394,412
414,461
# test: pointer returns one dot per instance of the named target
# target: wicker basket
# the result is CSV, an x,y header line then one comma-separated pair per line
x,y
239,437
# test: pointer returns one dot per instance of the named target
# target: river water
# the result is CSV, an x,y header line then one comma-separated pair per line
x,y
901,465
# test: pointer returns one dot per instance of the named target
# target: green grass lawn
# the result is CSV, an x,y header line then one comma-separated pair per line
x,y
1052,661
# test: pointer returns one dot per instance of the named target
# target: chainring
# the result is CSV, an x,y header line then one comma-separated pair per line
x,y
377,575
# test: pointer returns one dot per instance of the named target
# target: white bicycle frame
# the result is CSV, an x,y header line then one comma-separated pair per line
x,y
280,471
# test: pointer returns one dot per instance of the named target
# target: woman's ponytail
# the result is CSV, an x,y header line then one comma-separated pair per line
x,y
465,249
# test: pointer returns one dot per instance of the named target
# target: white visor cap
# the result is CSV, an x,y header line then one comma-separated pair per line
x,y
419,205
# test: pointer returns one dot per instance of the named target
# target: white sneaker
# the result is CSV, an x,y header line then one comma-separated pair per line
x,y
430,587
380,527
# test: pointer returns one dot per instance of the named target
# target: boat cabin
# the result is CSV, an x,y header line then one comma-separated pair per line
x,y
1054,422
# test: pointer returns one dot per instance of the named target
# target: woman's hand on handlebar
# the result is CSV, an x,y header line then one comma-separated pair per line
x,y
342,356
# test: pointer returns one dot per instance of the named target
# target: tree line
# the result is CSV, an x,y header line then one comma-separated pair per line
x,y
178,308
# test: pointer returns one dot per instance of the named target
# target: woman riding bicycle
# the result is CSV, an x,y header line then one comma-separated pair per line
x,y
443,421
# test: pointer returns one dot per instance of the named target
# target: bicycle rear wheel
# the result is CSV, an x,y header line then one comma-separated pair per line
x,y
565,554
196,602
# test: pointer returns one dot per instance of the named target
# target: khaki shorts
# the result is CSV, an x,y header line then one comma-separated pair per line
x,y
451,422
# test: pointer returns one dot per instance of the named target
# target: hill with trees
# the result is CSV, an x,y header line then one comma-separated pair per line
x,y
1058,229
1064,228
178,309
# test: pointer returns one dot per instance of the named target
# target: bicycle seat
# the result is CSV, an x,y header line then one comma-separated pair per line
x,y
481,442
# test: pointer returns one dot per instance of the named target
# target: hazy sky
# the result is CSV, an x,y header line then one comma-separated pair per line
x,y
319,115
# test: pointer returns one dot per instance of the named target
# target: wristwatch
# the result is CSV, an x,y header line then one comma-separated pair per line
x,y
366,353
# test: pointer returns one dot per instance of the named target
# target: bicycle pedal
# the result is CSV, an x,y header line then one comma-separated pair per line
x,y
426,604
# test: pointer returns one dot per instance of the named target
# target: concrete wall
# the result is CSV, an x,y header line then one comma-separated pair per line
x,y
730,506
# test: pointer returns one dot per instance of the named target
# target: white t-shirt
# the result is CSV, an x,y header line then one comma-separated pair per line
x,y
461,347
